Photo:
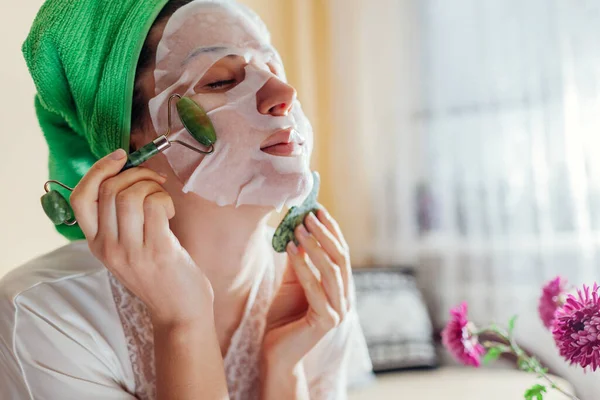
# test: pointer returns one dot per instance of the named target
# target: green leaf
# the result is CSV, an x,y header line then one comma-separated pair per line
x,y
524,365
511,324
492,354
535,364
536,392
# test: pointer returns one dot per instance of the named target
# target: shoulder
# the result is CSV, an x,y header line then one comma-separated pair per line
x,y
64,289
62,269
58,314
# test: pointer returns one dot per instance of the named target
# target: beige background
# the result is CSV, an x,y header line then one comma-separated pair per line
x,y
25,232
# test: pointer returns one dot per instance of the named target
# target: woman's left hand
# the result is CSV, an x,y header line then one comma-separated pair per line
x,y
307,306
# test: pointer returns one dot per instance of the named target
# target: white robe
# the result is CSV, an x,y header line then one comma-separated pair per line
x,y
70,330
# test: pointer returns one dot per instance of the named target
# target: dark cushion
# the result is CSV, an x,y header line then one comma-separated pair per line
x,y
394,318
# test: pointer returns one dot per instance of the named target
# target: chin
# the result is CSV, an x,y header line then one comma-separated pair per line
x,y
292,189
278,191
302,190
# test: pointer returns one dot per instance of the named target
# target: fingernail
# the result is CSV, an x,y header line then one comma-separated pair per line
x,y
292,248
118,154
311,217
302,231
163,174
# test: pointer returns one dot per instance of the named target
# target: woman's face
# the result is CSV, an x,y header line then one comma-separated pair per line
x,y
220,57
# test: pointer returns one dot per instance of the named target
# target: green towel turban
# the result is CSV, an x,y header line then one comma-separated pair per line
x,y
82,55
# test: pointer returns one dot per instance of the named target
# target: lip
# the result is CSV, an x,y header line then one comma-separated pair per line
x,y
281,137
291,149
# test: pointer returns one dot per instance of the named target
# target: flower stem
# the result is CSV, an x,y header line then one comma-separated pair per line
x,y
555,386
533,365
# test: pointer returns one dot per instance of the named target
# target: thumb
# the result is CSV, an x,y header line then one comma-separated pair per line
x,y
300,338
289,275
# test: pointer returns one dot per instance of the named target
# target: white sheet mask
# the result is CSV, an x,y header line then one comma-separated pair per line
x,y
196,37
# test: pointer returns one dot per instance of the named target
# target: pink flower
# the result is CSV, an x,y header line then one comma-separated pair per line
x,y
577,328
553,296
459,338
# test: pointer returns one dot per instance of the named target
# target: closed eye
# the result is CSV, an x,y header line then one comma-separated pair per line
x,y
220,84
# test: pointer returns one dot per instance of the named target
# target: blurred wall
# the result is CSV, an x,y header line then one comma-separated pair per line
x,y
25,232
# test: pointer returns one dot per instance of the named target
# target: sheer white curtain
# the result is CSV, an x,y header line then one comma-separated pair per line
x,y
471,128
510,126
471,131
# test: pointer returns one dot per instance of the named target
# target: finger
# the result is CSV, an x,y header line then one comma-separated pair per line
x,y
289,275
330,272
130,212
324,316
332,225
158,210
326,239
346,268
85,194
108,227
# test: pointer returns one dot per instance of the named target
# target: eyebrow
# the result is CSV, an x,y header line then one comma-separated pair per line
x,y
202,50
212,49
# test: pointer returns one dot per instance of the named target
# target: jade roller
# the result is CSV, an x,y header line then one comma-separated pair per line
x,y
195,121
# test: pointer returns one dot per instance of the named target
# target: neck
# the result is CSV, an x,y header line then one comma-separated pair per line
x,y
227,243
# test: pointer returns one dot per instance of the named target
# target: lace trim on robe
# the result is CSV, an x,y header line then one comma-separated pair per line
x,y
242,358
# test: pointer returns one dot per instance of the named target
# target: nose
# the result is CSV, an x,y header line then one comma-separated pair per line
x,y
275,98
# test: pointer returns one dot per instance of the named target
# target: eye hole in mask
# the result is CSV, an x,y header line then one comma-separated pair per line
x,y
228,72
222,76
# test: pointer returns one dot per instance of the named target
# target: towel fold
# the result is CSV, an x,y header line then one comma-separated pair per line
x,y
82,55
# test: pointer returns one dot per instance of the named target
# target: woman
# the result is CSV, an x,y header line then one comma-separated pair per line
x,y
169,288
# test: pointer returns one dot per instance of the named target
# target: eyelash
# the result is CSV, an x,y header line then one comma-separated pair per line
x,y
220,84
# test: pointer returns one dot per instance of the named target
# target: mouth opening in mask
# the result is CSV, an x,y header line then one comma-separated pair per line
x,y
286,142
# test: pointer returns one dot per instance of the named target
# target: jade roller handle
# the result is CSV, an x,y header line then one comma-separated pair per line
x,y
58,209
148,151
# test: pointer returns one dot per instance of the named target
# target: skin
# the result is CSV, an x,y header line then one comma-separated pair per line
x,y
159,241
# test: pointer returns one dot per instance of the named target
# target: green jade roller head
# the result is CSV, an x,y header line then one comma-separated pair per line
x,y
195,121
295,216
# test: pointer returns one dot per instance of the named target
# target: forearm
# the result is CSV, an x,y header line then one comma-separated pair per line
x,y
278,382
189,364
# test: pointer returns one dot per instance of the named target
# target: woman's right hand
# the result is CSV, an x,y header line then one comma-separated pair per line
x,y
125,218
